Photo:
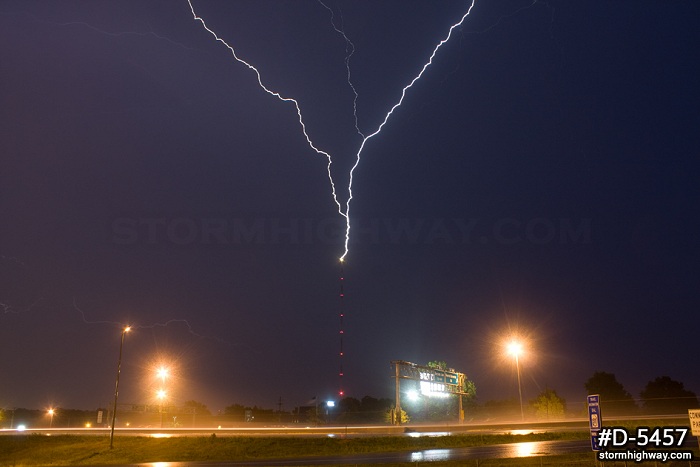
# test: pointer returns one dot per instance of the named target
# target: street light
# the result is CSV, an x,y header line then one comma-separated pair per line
x,y
51,412
162,373
515,348
116,387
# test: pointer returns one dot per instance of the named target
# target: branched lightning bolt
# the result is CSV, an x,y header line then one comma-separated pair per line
x,y
86,321
7,308
503,17
145,326
388,115
98,30
5,305
280,97
349,51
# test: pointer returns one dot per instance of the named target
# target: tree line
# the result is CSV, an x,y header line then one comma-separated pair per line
x,y
662,395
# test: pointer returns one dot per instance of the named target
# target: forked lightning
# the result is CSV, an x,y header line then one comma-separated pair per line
x,y
345,212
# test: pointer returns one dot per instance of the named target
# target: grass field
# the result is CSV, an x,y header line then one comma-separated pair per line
x,y
36,450
63,450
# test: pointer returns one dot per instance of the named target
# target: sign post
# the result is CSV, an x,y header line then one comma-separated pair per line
x,y
694,416
432,382
595,420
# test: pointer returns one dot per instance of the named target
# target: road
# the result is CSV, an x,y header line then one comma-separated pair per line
x,y
345,431
249,429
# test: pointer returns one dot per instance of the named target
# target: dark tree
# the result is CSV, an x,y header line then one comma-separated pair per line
x,y
438,365
376,407
260,414
666,396
349,410
200,409
349,404
614,398
235,412
369,404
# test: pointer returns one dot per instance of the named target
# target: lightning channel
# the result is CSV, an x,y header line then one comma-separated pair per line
x,y
83,24
350,48
9,308
280,97
386,119
146,326
349,51
7,305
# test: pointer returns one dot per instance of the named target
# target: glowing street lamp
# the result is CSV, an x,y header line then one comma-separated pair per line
x,y
162,373
515,348
116,387
51,412
329,405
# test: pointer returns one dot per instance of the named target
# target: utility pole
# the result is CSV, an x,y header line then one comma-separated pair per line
x,y
116,387
279,410
397,409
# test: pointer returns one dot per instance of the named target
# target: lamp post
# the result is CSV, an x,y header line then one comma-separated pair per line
x,y
515,348
161,394
51,412
329,406
116,387
162,373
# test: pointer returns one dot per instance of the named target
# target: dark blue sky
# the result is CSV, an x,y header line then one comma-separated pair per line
x,y
541,178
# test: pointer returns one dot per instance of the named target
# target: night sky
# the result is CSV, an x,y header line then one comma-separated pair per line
x,y
541,178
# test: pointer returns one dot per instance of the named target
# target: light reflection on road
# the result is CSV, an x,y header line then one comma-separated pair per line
x,y
522,432
524,449
497,451
417,434
431,455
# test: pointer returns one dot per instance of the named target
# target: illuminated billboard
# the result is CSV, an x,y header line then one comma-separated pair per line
x,y
433,382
